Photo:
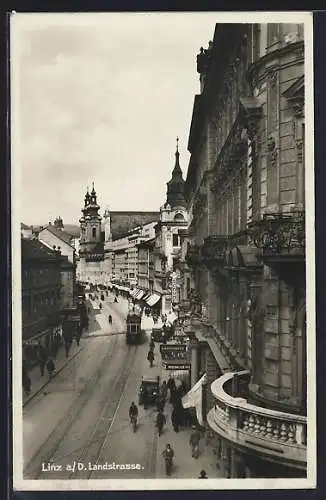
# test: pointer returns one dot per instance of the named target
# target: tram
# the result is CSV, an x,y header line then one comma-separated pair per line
x,y
134,333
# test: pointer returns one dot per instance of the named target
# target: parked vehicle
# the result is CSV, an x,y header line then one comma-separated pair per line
x,y
149,390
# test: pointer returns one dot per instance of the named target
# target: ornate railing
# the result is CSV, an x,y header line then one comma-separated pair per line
x,y
276,434
279,234
213,250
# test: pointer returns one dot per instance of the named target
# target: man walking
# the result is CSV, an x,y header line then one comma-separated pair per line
x,y
42,355
168,455
160,422
194,442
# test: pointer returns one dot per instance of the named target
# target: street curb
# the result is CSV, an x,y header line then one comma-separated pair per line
x,y
50,380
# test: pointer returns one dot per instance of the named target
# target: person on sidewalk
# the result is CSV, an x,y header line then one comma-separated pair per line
x,y
42,357
194,442
203,475
152,345
175,419
160,422
150,357
171,386
160,403
27,383
168,455
164,391
50,366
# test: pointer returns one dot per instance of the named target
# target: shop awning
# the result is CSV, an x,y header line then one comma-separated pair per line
x,y
139,295
134,292
153,299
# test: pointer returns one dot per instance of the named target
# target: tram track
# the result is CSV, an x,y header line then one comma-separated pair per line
x,y
48,448
92,450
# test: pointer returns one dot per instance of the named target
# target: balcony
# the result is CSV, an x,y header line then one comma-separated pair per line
x,y
193,256
280,236
278,436
213,251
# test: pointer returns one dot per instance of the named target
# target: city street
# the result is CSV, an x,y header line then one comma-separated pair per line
x,y
80,424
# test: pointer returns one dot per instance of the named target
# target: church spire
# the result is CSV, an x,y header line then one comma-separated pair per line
x,y
177,169
175,187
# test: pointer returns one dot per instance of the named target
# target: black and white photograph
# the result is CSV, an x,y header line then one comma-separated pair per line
x,y
163,305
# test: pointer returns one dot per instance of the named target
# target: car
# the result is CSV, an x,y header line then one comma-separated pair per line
x,y
153,388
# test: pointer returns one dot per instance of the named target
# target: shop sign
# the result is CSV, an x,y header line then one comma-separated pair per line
x,y
173,347
30,342
168,366
174,352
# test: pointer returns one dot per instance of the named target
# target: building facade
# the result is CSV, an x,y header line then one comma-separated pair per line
x,y
245,192
167,249
145,279
41,297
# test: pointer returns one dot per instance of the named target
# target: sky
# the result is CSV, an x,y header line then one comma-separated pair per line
x,y
101,97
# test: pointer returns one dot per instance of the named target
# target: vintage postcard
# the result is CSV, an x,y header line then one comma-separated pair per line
x,y
163,251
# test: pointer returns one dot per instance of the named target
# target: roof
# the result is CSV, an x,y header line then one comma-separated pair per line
x,y
24,226
34,249
59,233
72,229
123,222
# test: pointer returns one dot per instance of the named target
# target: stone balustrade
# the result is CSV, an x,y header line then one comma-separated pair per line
x,y
277,434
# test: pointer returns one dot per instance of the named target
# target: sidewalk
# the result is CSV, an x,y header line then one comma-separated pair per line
x,y
184,465
39,382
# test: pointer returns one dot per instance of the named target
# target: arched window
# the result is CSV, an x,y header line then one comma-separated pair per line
x,y
94,232
179,217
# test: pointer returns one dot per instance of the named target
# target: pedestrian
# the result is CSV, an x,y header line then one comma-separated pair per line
x,y
145,398
42,355
160,422
168,455
27,383
164,391
50,366
160,403
203,475
152,345
187,417
175,419
194,442
171,386
150,357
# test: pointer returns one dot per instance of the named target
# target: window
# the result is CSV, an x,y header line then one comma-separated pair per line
x,y
272,120
272,33
175,240
94,232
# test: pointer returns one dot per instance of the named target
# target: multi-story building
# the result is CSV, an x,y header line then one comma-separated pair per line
x,y
123,254
41,296
125,230
145,280
173,218
245,191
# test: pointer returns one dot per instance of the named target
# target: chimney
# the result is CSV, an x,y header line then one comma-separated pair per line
x,y
50,223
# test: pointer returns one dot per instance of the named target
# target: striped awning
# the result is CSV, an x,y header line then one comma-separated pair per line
x,y
139,294
134,292
153,299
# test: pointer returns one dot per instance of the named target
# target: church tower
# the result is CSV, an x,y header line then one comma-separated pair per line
x,y
91,245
